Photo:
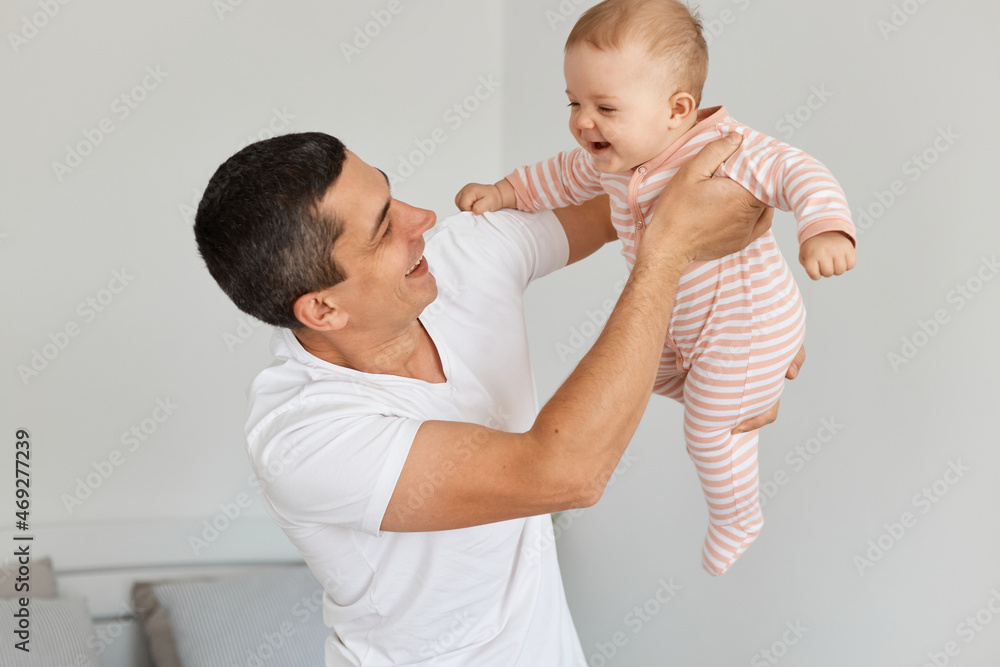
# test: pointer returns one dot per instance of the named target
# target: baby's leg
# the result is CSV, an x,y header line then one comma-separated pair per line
x,y
721,390
669,378
726,463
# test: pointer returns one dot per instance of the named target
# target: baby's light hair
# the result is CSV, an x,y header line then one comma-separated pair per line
x,y
668,29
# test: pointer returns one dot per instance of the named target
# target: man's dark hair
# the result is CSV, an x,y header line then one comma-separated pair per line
x,y
259,227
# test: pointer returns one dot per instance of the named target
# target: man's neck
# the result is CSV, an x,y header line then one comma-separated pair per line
x,y
406,353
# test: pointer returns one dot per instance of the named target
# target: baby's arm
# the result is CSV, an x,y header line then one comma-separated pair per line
x,y
567,179
787,178
827,254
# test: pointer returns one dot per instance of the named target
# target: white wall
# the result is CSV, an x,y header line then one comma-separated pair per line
x,y
169,333
899,429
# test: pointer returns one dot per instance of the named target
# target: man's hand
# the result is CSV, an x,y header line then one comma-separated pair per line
x,y
772,413
480,198
701,217
827,254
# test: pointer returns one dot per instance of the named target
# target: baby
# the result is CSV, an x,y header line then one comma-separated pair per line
x,y
634,74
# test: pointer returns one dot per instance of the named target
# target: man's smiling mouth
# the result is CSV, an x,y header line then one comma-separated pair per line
x,y
412,268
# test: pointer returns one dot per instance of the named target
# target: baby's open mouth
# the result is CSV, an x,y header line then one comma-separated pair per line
x,y
599,145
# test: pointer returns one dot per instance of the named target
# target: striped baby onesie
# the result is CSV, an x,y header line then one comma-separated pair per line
x,y
737,322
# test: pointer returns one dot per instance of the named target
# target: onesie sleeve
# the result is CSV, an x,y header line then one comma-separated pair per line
x,y
568,178
318,468
787,178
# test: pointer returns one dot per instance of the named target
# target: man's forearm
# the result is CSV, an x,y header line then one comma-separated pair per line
x,y
586,426
583,430
565,459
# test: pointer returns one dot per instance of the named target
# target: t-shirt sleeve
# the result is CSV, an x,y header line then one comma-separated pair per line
x,y
523,246
340,471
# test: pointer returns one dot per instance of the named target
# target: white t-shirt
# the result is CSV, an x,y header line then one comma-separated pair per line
x,y
328,443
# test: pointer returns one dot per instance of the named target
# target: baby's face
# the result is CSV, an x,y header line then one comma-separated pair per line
x,y
619,107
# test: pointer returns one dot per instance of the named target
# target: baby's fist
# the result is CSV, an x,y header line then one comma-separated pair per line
x,y
479,198
827,254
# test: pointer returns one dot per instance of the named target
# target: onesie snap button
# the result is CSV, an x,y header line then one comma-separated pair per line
x,y
642,170
638,224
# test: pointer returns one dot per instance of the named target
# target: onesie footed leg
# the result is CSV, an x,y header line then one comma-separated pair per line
x,y
727,468
669,378
724,544
670,387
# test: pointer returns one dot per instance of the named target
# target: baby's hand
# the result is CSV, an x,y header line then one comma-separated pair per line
x,y
480,198
827,254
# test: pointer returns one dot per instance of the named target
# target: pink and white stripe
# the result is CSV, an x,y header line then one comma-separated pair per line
x,y
737,321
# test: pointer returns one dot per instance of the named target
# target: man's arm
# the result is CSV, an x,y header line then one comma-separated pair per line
x,y
587,226
565,460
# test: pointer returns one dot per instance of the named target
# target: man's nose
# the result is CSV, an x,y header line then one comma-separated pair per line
x,y
429,220
419,220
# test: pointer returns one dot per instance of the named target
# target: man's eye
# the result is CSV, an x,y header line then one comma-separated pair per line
x,y
388,228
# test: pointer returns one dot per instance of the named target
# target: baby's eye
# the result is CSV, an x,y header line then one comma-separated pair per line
x,y
573,104
606,110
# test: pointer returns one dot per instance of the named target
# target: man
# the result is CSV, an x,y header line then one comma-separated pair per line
x,y
396,436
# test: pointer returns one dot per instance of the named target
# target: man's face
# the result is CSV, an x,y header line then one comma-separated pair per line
x,y
380,249
618,106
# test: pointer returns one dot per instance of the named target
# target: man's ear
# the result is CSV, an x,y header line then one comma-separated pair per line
x,y
681,107
320,311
